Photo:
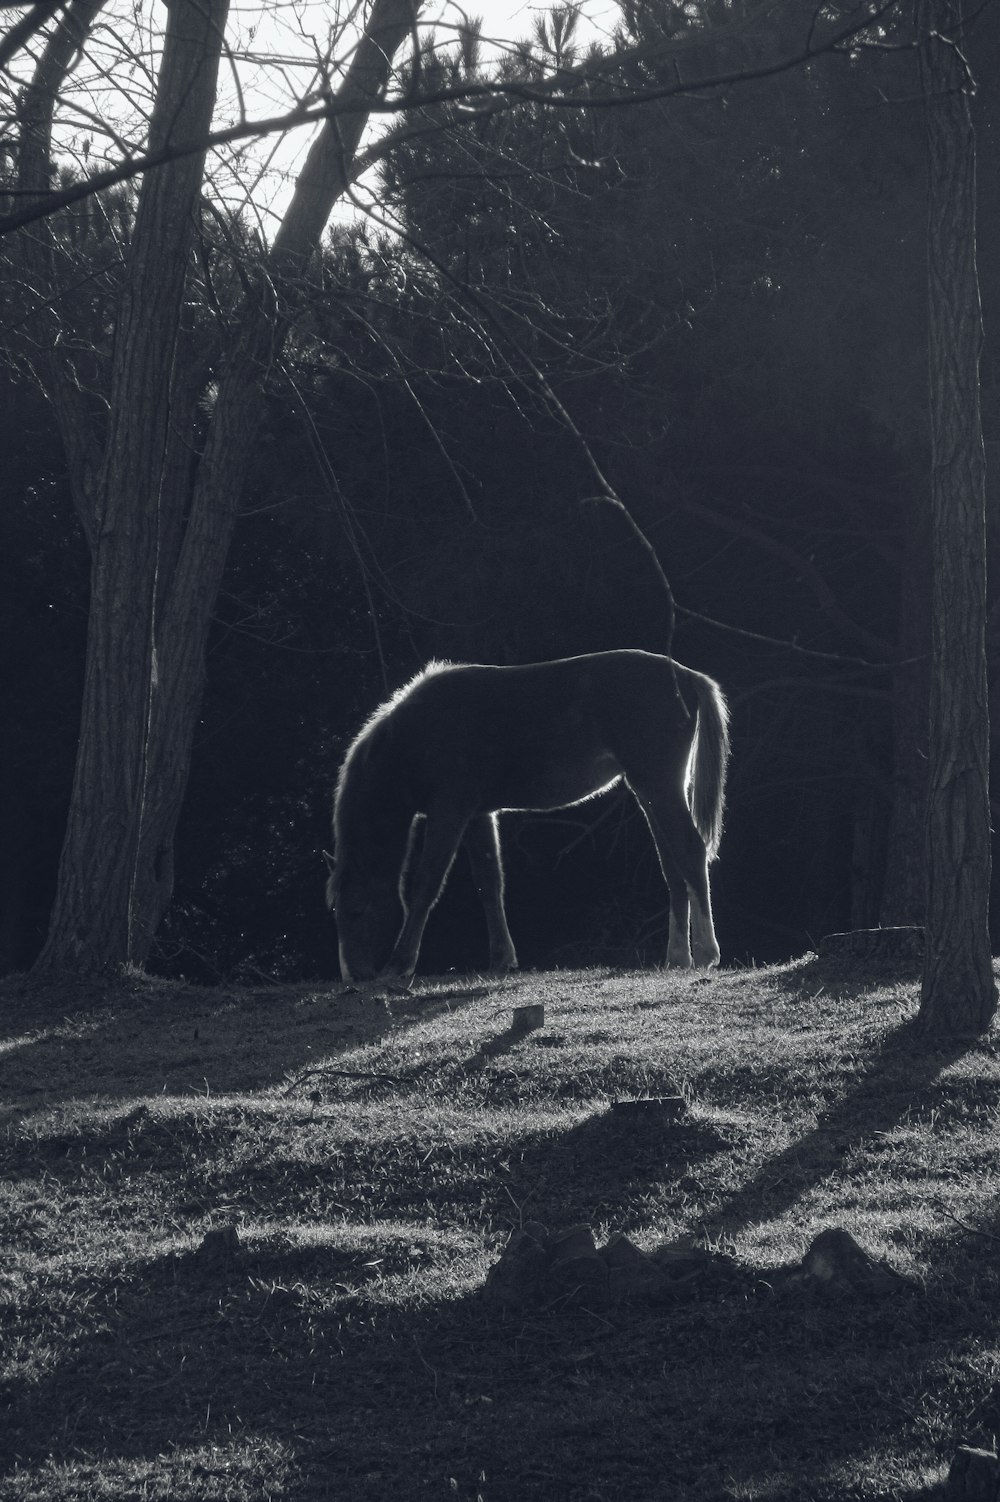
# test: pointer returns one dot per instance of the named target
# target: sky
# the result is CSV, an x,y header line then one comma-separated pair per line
x,y
276,51
267,89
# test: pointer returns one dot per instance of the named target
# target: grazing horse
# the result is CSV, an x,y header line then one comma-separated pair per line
x,y
460,742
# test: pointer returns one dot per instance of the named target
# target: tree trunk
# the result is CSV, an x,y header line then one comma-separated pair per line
x,y
904,890
97,919
186,615
959,993
159,543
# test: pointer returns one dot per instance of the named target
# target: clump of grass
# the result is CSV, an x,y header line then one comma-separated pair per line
x,y
372,1159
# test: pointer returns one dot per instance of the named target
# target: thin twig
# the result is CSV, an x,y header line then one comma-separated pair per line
x,y
973,1230
357,1074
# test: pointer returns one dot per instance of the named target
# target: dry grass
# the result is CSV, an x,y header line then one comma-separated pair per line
x,y
374,1160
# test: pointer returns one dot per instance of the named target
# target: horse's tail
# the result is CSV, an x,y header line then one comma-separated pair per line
x,y
709,760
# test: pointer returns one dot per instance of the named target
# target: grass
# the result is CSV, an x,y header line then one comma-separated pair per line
x,y
374,1159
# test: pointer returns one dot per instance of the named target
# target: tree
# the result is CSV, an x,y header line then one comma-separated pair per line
x,y
156,487
958,994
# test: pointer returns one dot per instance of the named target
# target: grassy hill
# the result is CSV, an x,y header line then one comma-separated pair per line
x,y
245,1239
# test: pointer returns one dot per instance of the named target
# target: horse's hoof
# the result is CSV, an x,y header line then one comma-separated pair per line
x,y
398,984
367,990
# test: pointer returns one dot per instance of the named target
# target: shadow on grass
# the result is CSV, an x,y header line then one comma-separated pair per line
x,y
895,1077
605,1169
963,1257
298,1351
602,1168
165,1038
371,1391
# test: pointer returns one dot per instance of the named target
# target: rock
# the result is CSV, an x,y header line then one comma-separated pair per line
x,y
219,1247
974,1476
620,1252
573,1242
838,1264
526,1019
567,1268
575,1271
536,1231
684,1259
538,1268
631,1273
518,1277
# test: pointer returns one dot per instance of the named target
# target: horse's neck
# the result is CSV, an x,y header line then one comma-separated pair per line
x,y
380,816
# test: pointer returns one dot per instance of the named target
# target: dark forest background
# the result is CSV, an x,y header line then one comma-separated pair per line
x,y
727,296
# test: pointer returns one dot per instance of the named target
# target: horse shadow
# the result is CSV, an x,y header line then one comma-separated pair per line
x,y
608,1169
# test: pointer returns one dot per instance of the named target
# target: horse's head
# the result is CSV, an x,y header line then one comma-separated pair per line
x,y
368,913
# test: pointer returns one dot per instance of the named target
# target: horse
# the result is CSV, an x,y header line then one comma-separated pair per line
x,y
463,742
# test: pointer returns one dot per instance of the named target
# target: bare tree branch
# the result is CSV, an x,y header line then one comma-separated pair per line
x,y
583,85
23,30
804,567
35,253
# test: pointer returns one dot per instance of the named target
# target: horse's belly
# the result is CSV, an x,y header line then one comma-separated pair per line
x,y
544,787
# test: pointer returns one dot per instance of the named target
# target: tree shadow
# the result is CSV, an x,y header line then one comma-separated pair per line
x,y
602,1168
150,1038
295,1346
961,1281
288,1348
842,975
900,1070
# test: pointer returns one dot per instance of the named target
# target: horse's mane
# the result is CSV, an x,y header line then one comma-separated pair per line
x,y
368,738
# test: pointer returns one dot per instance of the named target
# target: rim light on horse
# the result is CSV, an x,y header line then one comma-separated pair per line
x,y
460,743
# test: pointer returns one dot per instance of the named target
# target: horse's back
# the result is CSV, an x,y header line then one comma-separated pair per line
x,y
595,677
527,699
540,735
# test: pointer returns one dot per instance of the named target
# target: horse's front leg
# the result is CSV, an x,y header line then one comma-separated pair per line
x,y
443,828
482,844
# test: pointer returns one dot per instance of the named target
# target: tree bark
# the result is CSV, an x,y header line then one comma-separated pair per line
x,y
159,539
904,889
97,919
959,992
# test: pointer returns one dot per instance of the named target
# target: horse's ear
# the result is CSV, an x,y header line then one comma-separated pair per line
x,y
330,862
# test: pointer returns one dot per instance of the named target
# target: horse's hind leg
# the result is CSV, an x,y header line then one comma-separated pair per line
x,y
482,844
679,937
443,828
685,870
704,945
